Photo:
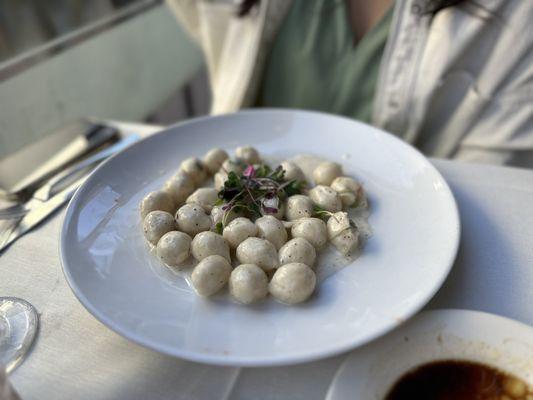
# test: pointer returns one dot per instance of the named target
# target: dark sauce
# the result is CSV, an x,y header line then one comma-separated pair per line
x,y
458,380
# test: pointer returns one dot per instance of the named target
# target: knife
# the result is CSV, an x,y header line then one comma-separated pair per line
x,y
40,209
39,214
45,191
24,171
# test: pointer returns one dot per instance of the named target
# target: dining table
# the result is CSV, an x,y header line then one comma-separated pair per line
x,y
76,357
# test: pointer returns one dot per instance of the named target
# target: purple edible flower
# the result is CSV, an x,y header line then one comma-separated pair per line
x,y
249,172
270,210
270,204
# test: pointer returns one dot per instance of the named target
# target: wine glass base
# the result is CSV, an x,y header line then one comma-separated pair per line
x,y
18,326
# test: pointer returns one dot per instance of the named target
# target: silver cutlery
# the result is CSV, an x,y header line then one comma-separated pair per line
x,y
44,192
22,172
37,215
37,209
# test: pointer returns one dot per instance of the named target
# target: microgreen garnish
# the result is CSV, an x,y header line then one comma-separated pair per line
x,y
259,190
321,213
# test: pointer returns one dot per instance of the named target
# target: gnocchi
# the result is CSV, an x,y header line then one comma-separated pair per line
x,y
231,166
238,231
174,248
209,243
259,252
248,283
219,179
299,206
326,198
292,171
179,187
247,154
297,250
195,169
348,188
213,159
192,219
204,197
268,220
326,172
156,201
311,229
292,283
342,233
210,275
156,224
271,229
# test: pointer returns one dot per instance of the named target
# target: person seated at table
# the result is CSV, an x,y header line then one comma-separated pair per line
x,y
452,77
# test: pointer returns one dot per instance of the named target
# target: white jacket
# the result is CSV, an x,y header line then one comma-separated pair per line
x,y
457,84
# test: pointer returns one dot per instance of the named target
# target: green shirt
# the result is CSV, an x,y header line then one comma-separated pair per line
x,y
315,65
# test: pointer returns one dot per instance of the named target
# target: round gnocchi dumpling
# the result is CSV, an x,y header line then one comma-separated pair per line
x,y
219,179
311,229
248,283
326,198
271,229
297,250
156,201
213,160
204,197
347,243
348,188
156,224
174,248
217,215
298,206
259,252
342,233
337,223
238,230
292,171
231,166
210,275
195,169
207,244
325,172
192,219
247,154
179,187
292,283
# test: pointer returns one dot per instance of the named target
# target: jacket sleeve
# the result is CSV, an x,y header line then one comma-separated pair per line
x,y
504,132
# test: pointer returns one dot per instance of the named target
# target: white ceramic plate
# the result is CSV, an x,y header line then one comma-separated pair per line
x,y
371,371
415,237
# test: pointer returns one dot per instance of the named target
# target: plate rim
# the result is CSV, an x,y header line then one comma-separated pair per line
x,y
274,360
436,315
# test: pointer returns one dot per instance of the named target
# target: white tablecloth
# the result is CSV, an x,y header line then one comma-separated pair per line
x,y
76,357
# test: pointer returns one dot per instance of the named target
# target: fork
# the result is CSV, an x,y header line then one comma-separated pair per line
x,y
8,228
44,192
